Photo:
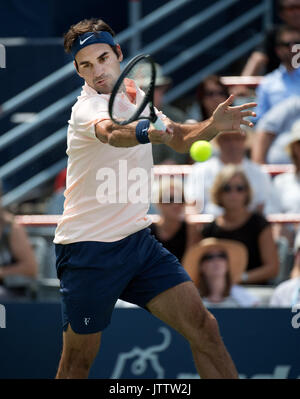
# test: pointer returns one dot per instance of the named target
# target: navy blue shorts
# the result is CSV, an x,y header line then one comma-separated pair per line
x,y
94,275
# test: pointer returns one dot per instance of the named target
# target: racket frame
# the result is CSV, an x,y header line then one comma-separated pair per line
x,y
148,98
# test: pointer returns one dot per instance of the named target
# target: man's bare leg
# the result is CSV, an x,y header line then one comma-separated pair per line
x,y
78,355
181,308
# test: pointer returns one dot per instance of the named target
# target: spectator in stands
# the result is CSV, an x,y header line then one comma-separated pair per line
x,y
172,230
232,149
284,81
16,256
295,272
60,180
210,93
162,85
287,185
265,59
287,293
273,132
231,190
55,205
216,266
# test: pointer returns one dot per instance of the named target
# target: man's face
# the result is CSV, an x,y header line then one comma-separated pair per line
x,y
285,45
290,13
99,66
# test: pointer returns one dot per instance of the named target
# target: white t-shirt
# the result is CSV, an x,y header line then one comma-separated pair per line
x,y
239,297
286,294
201,179
108,189
287,186
279,121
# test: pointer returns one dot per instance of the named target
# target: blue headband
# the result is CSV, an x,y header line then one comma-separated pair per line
x,y
91,38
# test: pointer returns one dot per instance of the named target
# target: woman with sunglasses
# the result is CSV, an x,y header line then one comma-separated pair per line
x,y
210,93
216,266
231,191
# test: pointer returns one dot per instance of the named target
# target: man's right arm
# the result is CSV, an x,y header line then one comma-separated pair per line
x,y
115,135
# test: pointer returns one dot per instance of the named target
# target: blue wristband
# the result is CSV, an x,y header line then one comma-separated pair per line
x,y
141,131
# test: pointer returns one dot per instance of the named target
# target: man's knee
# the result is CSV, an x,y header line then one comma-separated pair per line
x,y
205,332
79,351
77,361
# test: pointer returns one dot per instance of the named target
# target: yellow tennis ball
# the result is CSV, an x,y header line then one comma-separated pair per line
x,y
200,150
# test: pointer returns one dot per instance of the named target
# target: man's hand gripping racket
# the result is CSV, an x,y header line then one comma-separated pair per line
x,y
124,106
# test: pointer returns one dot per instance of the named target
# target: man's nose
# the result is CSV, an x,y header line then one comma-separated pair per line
x,y
98,70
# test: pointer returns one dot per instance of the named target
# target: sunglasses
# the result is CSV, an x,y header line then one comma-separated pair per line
x,y
291,8
288,44
216,255
212,93
240,188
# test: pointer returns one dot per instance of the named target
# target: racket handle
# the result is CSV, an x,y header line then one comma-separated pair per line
x,y
159,125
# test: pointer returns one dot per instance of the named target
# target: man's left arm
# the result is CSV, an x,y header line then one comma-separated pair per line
x,y
224,119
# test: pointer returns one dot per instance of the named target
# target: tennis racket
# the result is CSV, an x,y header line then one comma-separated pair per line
x,y
122,107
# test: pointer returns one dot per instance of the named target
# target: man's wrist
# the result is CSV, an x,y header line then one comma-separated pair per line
x,y
210,131
213,126
141,131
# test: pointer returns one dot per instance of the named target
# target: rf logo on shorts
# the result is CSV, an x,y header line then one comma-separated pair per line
x,y
86,320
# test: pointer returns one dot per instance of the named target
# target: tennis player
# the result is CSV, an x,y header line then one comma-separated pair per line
x,y
104,247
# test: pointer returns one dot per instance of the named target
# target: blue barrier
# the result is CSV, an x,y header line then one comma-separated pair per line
x,y
262,342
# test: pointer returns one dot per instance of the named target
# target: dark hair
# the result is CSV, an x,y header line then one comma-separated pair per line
x,y
204,288
1,208
293,153
283,29
280,5
86,25
200,93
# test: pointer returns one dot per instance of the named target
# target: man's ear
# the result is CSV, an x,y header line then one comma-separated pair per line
x,y
76,67
119,51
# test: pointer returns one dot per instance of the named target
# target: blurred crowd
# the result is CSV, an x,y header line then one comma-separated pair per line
x,y
239,249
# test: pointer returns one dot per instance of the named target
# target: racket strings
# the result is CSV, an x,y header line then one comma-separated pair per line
x,y
132,92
